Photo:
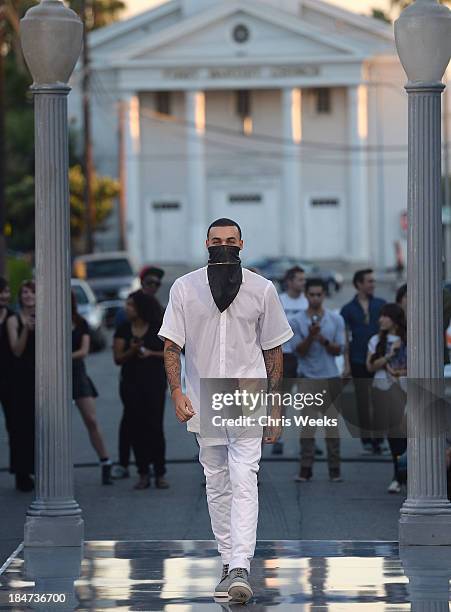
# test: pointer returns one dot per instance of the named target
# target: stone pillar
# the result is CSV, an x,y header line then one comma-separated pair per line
x,y
135,216
292,220
426,514
51,40
196,175
358,214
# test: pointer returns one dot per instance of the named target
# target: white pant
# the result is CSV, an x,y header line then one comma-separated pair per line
x,y
232,495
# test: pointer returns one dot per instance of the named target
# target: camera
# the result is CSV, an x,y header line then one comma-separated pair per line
x,y
315,319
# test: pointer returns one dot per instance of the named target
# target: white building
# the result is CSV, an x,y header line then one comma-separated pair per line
x,y
287,115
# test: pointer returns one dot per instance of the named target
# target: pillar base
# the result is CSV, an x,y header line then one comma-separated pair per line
x,y
54,531
425,530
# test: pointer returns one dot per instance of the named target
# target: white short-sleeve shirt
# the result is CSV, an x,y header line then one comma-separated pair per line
x,y
227,344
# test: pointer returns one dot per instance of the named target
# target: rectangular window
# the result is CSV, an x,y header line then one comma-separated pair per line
x,y
244,198
163,102
165,205
324,202
323,100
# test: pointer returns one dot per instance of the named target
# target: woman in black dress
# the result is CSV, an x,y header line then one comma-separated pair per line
x,y
20,327
139,351
6,361
84,391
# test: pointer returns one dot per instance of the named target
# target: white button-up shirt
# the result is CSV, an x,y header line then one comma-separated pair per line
x,y
225,344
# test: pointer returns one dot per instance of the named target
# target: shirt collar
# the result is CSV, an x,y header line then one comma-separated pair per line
x,y
206,275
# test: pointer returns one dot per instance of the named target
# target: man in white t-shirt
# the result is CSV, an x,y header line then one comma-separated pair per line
x,y
293,301
232,326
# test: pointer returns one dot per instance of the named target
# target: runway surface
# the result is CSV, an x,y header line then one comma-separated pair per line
x,y
180,575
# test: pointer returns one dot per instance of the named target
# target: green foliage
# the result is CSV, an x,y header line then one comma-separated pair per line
x,y
18,269
19,132
105,190
99,13
382,15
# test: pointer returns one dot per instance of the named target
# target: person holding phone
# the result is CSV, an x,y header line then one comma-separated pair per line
x,y
21,335
139,352
387,360
319,337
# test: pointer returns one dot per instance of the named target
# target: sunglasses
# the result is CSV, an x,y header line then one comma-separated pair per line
x,y
151,283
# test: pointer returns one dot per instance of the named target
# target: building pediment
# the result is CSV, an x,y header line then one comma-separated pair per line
x,y
239,29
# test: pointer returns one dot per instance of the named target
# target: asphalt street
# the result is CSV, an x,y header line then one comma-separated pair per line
x,y
357,509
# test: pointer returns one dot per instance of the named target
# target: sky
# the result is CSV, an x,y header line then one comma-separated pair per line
x,y
358,6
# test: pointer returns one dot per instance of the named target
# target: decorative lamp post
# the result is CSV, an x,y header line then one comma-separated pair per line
x,y
423,40
51,41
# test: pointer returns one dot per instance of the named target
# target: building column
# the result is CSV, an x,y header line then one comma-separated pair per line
x,y
426,514
196,175
135,216
292,222
358,214
51,37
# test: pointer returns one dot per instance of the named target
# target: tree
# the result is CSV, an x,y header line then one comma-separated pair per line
x,y
379,14
100,13
105,190
19,128
20,212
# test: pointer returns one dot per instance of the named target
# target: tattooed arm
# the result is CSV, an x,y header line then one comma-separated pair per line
x,y
183,408
274,370
274,367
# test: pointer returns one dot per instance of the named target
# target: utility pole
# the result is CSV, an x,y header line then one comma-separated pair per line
x,y
2,159
87,144
122,177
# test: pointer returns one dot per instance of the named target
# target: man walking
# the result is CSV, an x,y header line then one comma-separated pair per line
x,y
232,325
319,336
361,316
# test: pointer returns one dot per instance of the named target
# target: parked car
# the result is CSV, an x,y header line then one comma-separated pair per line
x,y
112,276
90,310
274,268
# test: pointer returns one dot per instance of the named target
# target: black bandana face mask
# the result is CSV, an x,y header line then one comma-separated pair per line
x,y
224,274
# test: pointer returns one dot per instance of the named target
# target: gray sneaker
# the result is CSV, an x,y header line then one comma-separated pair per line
x,y
222,588
239,588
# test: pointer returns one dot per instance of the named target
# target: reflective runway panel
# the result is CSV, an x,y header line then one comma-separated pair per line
x,y
180,576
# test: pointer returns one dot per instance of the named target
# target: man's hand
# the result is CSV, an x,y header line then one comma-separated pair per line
x,y
183,408
314,330
135,345
272,433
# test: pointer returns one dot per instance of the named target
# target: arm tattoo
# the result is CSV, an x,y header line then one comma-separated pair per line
x,y
274,367
172,364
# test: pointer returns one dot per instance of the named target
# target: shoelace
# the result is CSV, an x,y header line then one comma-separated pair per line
x,y
225,571
240,572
